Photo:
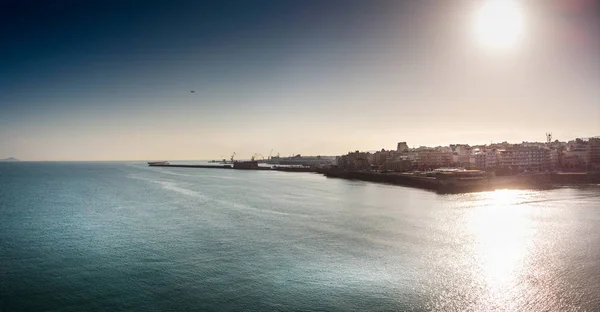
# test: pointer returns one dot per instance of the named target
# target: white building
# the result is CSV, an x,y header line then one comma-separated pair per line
x,y
532,158
580,150
554,158
479,159
491,159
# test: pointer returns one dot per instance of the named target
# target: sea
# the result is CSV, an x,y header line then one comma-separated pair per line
x,y
122,236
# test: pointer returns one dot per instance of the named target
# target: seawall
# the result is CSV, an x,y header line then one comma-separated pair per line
x,y
530,181
293,169
286,169
454,185
194,166
391,178
567,178
462,185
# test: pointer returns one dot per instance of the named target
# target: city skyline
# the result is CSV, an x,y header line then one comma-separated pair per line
x,y
113,80
263,155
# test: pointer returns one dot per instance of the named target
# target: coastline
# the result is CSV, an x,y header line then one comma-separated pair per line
x,y
438,183
529,181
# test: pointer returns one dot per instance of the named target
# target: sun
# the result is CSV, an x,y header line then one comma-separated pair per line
x,y
499,24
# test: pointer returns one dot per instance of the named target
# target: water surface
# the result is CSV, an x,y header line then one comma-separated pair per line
x,y
123,236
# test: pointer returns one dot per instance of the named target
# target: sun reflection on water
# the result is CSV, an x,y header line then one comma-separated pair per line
x,y
502,239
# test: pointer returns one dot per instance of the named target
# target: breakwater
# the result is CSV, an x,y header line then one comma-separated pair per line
x,y
276,168
429,183
435,183
461,185
294,169
529,181
568,178
192,166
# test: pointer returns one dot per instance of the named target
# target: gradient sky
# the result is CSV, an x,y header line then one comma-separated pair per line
x,y
111,80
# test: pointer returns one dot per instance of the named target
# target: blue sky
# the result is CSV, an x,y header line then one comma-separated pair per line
x,y
110,80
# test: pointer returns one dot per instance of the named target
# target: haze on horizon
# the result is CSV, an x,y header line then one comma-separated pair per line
x,y
111,80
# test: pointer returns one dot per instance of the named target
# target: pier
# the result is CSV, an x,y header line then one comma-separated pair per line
x,y
192,166
241,165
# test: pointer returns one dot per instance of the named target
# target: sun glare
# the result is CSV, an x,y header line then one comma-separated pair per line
x,y
499,24
502,232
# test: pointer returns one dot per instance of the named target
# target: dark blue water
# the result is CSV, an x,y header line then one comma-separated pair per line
x,y
123,236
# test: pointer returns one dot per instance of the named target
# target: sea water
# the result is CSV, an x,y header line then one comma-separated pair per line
x,y
113,236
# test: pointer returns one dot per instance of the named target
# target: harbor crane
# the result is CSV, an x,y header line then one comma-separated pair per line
x,y
233,155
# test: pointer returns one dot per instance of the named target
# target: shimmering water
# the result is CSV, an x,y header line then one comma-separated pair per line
x,y
123,236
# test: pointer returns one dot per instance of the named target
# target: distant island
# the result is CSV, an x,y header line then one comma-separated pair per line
x,y
9,159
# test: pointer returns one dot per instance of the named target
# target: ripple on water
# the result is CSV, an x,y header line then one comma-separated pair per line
x,y
110,236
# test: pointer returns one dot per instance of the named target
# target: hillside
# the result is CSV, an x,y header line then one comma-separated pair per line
x,y
9,159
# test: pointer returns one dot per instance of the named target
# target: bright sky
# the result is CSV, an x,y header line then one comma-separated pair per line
x,y
111,80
